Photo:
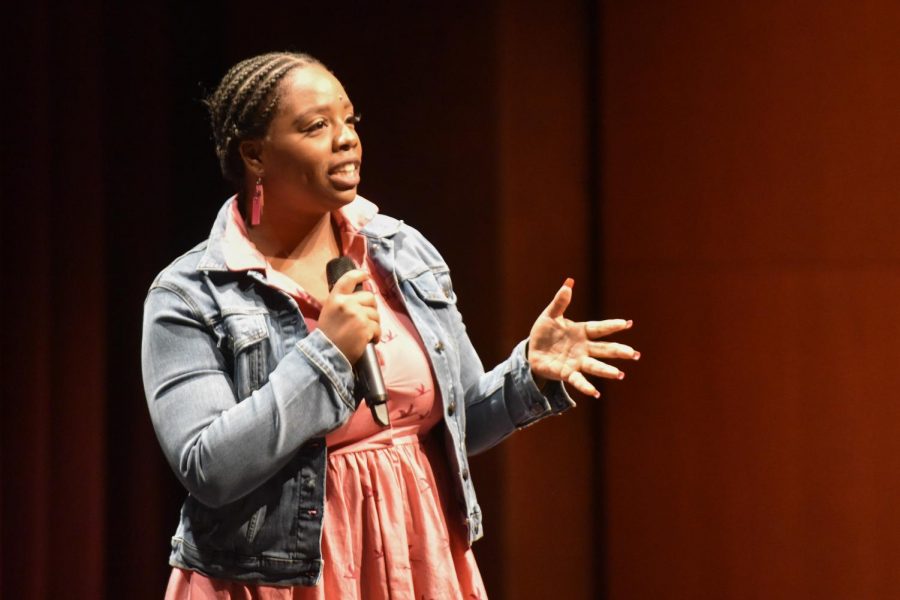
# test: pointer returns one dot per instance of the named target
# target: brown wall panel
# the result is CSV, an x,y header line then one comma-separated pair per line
x,y
750,173
544,232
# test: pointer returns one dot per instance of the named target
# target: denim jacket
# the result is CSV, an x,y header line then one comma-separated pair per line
x,y
241,396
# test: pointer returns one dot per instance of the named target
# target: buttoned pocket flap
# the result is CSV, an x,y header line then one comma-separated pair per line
x,y
434,287
245,329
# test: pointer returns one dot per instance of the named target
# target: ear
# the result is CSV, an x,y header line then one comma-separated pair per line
x,y
251,154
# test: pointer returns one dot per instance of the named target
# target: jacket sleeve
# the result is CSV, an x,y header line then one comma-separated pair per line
x,y
505,398
222,447
502,400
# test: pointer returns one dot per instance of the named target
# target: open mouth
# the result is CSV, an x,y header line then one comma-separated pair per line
x,y
348,169
345,176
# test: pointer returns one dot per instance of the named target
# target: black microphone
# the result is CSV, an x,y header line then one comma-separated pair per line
x,y
368,373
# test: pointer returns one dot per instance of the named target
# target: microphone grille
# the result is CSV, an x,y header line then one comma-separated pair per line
x,y
336,268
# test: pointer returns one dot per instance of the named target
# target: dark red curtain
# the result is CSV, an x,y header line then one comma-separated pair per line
x,y
747,162
110,174
86,501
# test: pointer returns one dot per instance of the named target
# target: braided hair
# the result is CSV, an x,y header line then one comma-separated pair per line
x,y
244,103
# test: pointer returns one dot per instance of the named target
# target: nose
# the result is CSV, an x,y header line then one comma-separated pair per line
x,y
346,138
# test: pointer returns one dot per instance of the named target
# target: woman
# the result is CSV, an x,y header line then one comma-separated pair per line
x,y
295,491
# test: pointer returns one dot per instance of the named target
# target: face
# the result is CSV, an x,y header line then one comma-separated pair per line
x,y
311,155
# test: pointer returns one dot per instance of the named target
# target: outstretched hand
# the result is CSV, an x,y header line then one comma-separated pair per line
x,y
563,350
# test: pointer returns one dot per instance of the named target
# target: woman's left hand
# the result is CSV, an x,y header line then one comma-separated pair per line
x,y
563,350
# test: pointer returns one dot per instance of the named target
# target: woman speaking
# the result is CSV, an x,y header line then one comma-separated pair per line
x,y
253,377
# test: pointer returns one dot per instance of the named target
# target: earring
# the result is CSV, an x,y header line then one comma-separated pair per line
x,y
257,205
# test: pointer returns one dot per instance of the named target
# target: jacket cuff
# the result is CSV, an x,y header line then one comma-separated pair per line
x,y
558,397
331,363
553,400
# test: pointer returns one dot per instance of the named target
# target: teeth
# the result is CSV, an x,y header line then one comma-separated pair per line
x,y
346,169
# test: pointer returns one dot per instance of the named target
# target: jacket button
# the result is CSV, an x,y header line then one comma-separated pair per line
x,y
439,346
451,408
465,474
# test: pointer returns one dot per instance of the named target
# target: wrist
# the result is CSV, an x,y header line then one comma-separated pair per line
x,y
539,381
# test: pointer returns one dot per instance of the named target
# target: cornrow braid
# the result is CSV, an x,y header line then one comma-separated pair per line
x,y
244,103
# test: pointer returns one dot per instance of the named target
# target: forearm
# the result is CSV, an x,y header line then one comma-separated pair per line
x,y
222,447
506,399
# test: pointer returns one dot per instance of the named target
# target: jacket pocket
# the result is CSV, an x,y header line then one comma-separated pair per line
x,y
247,338
254,524
433,294
235,527
434,287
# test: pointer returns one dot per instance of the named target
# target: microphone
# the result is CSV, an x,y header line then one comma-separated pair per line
x,y
368,373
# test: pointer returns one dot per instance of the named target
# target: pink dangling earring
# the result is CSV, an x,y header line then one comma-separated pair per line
x,y
258,201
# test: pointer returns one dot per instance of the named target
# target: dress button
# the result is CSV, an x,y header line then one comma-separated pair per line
x,y
451,408
465,474
439,346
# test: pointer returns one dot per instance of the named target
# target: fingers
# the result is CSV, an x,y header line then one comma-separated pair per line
x,y
561,300
347,283
596,368
348,303
612,350
350,319
580,383
369,313
590,366
366,299
597,329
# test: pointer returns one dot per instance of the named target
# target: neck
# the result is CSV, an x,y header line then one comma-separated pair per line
x,y
293,235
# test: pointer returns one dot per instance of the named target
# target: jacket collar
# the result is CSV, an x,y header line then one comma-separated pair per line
x,y
381,226
361,214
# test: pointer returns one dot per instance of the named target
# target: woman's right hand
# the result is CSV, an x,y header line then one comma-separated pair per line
x,y
348,318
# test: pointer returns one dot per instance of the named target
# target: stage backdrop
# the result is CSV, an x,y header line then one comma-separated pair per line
x,y
473,133
723,173
751,170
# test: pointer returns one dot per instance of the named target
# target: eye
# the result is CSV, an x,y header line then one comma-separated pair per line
x,y
317,126
354,119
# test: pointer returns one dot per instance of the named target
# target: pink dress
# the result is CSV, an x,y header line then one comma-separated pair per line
x,y
391,529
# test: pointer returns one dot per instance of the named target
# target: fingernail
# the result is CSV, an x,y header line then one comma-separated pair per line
x,y
569,282
620,376
596,394
629,323
637,356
